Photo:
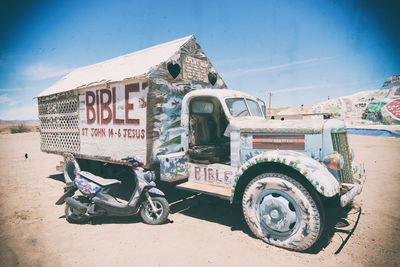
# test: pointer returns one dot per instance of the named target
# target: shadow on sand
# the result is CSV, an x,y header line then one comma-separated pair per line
x,y
341,221
58,177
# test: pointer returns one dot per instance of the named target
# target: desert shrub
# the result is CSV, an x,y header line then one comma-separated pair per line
x,y
21,128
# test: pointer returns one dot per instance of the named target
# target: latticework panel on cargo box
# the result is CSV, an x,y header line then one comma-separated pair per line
x,y
59,124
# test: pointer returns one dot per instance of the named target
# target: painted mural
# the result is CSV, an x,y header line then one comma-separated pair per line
x,y
367,105
391,112
173,167
188,69
318,175
124,107
114,117
386,109
213,174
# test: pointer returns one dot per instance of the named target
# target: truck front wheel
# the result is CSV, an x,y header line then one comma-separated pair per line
x,y
280,211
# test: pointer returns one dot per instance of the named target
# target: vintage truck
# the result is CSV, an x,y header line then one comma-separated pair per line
x,y
168,106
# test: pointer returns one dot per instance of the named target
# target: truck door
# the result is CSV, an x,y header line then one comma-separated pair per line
x,y
207,124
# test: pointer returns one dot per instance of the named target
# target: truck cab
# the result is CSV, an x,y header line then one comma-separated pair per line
x,y
207,120
280,171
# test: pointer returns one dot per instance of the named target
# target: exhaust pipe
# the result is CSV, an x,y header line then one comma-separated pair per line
x,y
76,204
68,193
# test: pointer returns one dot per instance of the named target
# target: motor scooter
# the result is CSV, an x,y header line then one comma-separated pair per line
x,y
97,199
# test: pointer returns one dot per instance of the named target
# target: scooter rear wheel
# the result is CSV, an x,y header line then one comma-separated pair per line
x,y
75,216
159,216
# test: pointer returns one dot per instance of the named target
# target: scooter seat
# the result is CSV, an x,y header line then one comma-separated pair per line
x,y
99,180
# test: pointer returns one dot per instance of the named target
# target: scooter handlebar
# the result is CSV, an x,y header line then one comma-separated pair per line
x,y
135,161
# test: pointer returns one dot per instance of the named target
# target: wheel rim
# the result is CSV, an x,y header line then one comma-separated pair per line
x,y
277,212
150,213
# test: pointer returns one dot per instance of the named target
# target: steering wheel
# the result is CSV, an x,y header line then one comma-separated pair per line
x,y
245,110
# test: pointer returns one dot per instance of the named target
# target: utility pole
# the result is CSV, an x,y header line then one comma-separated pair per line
x,y
269,106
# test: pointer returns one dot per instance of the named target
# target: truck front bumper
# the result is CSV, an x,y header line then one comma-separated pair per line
x,y
354,189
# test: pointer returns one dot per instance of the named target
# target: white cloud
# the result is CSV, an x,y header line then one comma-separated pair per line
x,y
299,88
275,67
231,61
5,99
20,113
43,71
13,103
12,89
324,86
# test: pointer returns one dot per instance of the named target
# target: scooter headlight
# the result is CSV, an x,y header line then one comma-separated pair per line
x,y
150,176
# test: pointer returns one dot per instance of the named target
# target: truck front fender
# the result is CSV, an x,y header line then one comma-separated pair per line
x,y
316,173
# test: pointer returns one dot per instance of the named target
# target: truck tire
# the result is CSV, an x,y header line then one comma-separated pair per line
x,y
280,211
71,166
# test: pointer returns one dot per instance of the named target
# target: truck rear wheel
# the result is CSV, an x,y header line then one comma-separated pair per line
x,y
71,166
280,211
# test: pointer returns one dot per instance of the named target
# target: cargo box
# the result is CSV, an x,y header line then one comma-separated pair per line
x,y
129,105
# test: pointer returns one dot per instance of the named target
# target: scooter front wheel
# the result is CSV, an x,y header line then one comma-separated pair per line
x,y
157,216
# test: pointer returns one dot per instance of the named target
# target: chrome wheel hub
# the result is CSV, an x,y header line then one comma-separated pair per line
x,y
155,214
274,214
277,212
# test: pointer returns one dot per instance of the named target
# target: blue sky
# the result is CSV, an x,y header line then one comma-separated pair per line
x,y
302,51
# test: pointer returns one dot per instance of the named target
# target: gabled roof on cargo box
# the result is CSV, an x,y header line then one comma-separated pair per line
x,y
117,69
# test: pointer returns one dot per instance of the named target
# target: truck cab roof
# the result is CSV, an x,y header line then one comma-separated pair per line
x,y
219,93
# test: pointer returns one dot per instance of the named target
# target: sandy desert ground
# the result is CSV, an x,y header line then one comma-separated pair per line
x,y
203,231
29,126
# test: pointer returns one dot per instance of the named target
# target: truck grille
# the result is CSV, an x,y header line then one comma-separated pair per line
x,y
341,145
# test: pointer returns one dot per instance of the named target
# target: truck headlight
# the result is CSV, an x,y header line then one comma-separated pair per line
x,y
355,168
334,161
340,161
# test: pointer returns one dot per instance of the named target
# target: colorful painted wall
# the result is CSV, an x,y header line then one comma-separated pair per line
x,y
386,109
188,69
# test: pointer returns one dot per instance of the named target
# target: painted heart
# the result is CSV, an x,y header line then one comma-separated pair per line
x,y
212,77
174,69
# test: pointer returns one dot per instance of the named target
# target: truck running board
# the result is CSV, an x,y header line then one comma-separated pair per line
x,y
213,190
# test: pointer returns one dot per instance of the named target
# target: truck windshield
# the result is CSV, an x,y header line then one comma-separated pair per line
x,y
241,107
254,108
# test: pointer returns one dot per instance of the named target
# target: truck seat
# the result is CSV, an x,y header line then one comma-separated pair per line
x,y
206,145
203,129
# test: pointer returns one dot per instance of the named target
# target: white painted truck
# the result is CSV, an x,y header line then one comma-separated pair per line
x,y
169,107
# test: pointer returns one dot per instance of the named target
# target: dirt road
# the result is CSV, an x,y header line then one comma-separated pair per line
x,y
202,231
